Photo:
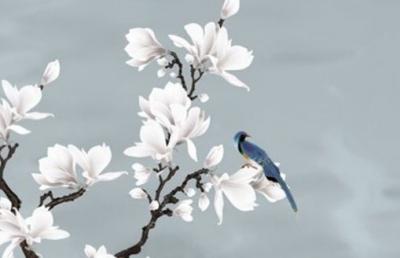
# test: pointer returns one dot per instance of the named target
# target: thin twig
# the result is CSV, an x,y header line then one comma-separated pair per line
x,y
177,61
54,201
161,211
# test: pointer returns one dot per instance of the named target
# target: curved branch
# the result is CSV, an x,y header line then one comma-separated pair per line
x,y
54,201
170,198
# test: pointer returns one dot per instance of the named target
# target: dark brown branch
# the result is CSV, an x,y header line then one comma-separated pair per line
x,y
161,186
11,195
170,198
54,201
177,61
221,22
194,81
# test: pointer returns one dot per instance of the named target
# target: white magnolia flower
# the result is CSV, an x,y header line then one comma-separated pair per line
x,y
189,124
202,46
143,47
51,73
91,252
227,58
214,157
159,105
57,169
7,122
237,189
138,193
269,189
24,100
204,202
154,205
94,162
211,50
153,143
15,229
142,173
230,8
184,210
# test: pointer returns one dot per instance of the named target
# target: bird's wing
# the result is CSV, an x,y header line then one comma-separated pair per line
x,y
258,155
254,152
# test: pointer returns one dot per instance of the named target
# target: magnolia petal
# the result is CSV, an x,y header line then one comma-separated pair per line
x,y
9,251
232,79
54,234
214,157
19,129
110,176
11,92
204,202
137,193
180,42
230,8
51,73
241,196
37,115
5,203
191,149
90,251
219,205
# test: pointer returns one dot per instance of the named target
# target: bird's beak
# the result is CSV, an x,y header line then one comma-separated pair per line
x,y
248,135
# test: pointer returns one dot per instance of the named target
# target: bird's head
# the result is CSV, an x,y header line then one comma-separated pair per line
x,y
240,137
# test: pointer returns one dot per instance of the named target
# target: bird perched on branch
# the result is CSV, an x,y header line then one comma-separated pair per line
x,y
253,153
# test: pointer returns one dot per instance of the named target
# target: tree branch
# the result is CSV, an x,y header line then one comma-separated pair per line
x,y
11,195
177,61
170,198
54,201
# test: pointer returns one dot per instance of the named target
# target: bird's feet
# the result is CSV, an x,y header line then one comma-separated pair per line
x,y
248,165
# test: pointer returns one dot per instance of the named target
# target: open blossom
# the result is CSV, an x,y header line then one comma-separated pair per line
x,y
161,101
189,124
237,189
228,58
24,100
184,210
57,169
91,252
202,45
153,143
272,191
214,157
211,50
51,73
143,47
7,122
230,8
94,162
15,229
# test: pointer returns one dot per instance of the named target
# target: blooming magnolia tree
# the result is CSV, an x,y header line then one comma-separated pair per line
x,y
171,120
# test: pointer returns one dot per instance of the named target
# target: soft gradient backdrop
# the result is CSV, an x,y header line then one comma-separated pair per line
x,y
324,102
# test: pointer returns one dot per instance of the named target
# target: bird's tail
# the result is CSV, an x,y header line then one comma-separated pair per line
x,y
289,195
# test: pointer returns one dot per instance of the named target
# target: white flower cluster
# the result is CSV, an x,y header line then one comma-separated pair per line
x,y
170,119
58,169
210,49
14,229
19,103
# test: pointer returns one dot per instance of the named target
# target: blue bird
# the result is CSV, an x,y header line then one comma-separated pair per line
x,y
252,152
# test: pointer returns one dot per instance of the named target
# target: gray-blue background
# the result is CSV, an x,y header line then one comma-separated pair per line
x,y
324,102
